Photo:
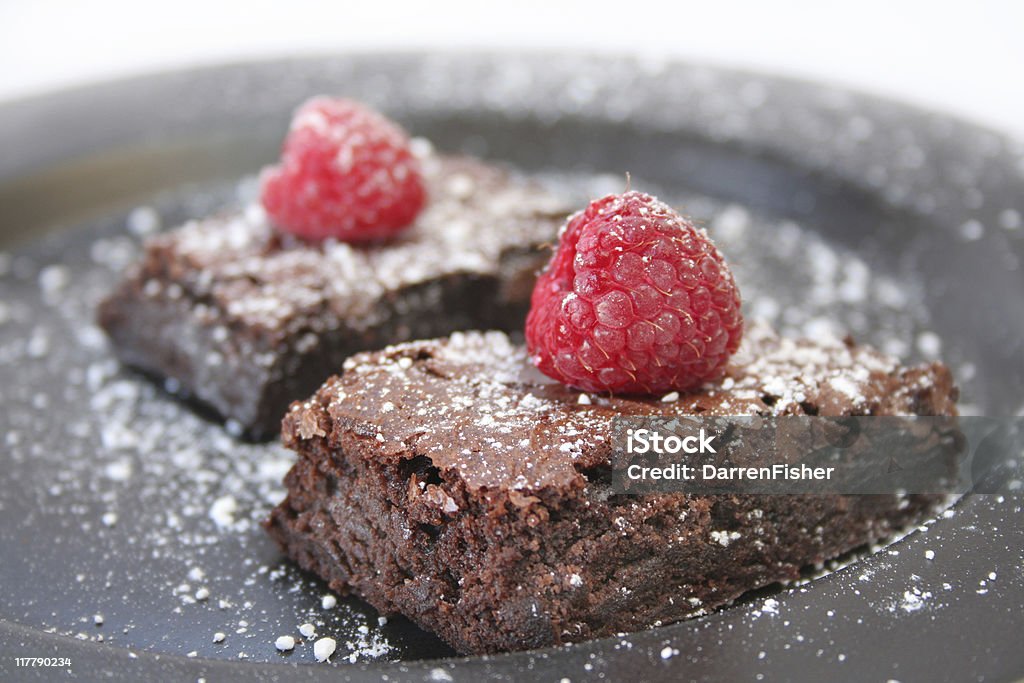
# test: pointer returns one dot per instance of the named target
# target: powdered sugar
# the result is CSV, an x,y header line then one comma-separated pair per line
x,y
266,286
106,446
724,538
163,505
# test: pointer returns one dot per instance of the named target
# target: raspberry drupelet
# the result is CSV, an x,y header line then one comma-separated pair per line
x,y
635,300
346,172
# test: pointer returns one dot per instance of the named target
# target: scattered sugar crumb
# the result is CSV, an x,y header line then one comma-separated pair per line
x,y
53,279
143,221
971,230
929,344
724,538
914,600
222,512
1010,219
120,470
324,648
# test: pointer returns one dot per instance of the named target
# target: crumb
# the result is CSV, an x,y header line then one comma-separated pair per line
x,y
324,648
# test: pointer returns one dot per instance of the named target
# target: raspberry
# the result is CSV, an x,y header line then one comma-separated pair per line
x,y
346,172
635,300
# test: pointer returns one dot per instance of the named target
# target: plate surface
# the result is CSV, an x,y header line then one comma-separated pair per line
x,y
120,506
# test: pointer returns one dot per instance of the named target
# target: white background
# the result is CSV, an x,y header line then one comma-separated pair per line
x,y
962,57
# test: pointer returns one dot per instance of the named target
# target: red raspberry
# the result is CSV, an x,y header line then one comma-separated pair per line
x,y
346,172
635,300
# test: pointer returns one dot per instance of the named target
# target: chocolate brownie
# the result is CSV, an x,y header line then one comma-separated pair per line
x,y
449,481
247,319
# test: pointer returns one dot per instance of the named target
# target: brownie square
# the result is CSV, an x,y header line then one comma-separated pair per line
x,y
447,480
246,319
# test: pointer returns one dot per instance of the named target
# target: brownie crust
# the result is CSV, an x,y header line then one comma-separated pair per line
x,y
245,319
448,481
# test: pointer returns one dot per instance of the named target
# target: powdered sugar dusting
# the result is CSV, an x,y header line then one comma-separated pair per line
x,y
264,279
159,508
134,471
475,405
246,304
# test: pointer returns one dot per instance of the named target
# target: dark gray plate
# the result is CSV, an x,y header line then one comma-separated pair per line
x,y
901,226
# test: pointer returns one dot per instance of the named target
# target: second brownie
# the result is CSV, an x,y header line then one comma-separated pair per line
x,y
245,319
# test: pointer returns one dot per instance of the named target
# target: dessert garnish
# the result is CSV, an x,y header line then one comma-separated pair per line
x,y
346,172
636,300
